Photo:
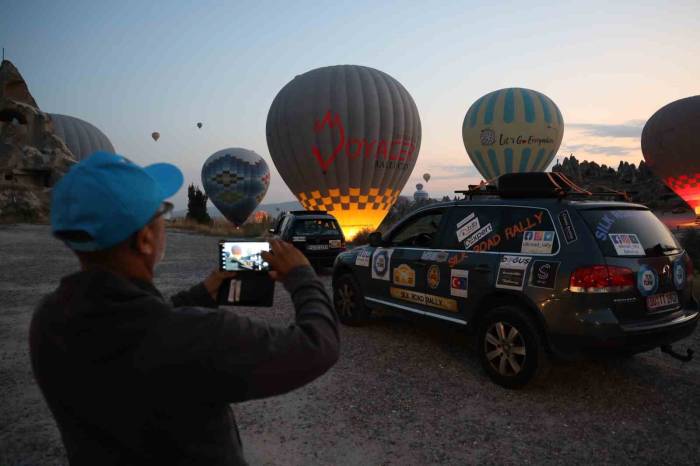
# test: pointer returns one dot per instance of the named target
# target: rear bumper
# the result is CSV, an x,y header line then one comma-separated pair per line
x,y
607,335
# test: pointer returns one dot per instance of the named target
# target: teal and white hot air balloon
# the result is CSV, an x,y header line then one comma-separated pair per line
x,y
512,130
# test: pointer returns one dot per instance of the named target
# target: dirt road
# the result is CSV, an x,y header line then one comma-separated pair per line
x,y
405,391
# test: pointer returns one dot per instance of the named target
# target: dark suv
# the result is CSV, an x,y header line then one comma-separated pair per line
x,y
533,271
316,234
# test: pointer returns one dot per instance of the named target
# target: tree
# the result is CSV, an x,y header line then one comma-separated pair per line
x,y
197,205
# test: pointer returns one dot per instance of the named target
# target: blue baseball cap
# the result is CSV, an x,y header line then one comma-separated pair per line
x,y
106,198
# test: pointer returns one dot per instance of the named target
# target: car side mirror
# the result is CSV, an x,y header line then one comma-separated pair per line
x,y
375,239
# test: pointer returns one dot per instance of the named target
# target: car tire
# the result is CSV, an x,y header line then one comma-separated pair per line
x,y
510,347
349,301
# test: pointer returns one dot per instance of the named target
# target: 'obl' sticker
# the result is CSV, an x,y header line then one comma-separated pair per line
x,y
468,228
626,244
647,281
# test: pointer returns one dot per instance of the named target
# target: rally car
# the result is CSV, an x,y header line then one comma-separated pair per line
x,y
534,267
316,234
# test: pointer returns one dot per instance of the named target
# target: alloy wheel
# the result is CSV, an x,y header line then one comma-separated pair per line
x,y
345,304
504,347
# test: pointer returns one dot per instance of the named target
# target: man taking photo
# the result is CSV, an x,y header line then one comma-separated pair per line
x,y
133,378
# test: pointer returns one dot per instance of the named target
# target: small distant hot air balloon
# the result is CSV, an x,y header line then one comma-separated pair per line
x,y
199,125
420,195
345,140
155,135
671,148
235,180
512,130
419,186
426,177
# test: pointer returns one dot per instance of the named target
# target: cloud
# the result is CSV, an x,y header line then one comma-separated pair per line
x,y
630,129
610,151
452,172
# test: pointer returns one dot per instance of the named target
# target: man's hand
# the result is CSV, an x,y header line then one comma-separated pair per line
x,y
283,259
214,281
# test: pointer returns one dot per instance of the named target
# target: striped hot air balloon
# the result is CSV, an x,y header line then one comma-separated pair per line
x,y
512,130
345,140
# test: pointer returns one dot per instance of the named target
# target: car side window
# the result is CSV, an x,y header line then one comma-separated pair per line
x,y
527,230
418,231
468,227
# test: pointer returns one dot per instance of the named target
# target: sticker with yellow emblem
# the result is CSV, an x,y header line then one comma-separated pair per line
x,y
433,276
404,276
446,304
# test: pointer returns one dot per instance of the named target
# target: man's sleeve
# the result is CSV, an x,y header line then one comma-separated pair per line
x,y
195,296
219,355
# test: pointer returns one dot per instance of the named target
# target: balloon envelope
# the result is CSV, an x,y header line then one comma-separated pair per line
x,y
199,125
345,140
235,180
82,138
512,130
671,147
426,177
155,135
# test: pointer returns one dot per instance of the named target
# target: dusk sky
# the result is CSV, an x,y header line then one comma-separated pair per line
x,y
131,68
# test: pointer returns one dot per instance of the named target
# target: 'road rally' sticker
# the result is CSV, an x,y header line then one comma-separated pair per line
x,y
647,280
544,274
380,263
476,237
678,274
567,227
434,256
468,229
425,299
537,242
363,257
433,278
511,272
459,282
626,244
404,275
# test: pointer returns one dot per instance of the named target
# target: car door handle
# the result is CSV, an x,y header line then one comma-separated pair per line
x,y
483,268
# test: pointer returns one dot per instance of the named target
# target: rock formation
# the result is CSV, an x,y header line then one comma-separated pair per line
x,y
32,157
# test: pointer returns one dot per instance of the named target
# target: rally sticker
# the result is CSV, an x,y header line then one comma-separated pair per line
x,y
335,243
567,227
459,282
544,274
647,280
362,259
537,242
678,274
626,244
465,220
380,263
511,272
468,229
485,230
434,256
433,277
457,259
298,238
425,299
404,275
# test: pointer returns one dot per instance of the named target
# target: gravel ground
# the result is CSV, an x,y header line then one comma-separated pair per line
x,y
405,391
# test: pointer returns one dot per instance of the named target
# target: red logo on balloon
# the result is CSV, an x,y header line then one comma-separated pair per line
x,y
396,149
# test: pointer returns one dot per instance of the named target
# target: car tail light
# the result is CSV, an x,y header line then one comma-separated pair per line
x,y
601,279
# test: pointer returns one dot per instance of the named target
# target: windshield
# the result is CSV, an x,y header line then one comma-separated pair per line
x,y
630,232
312,227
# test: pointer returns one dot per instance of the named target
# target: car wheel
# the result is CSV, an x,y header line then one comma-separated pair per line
x,y
510,347
349,301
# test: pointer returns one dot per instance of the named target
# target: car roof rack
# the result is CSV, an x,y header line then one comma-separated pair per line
x,y
308,212
538,184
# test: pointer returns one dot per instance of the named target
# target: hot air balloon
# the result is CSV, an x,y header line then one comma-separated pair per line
x,y
420,195
199,125
155,135
512,130
82,138
235,180
345,139
426,177
671,148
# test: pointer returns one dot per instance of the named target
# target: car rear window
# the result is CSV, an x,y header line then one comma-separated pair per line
x,y
316,226
630,232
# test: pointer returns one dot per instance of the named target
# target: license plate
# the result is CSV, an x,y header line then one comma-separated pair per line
x,y
316,247
658,301
334,243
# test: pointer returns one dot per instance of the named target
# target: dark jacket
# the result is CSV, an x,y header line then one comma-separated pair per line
x,y
132,378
